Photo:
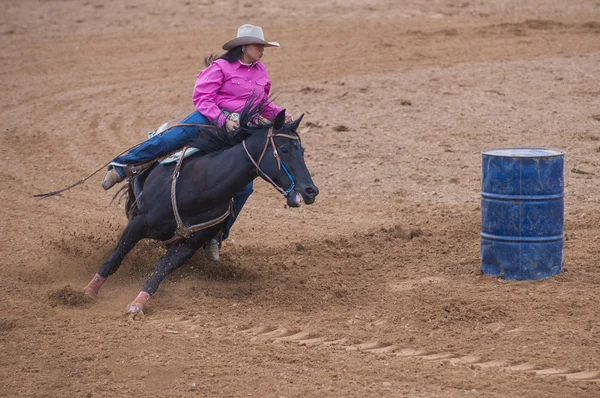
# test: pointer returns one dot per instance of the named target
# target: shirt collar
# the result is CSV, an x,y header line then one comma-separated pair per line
x,y
239,63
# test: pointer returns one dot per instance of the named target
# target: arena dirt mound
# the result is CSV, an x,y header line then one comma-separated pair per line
x,y
396,232
6,325
225,270
67,296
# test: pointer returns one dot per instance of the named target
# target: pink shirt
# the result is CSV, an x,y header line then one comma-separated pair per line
x,y
228,86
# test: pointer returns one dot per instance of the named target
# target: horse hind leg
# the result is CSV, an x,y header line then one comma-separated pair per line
x,y
177,254
132,234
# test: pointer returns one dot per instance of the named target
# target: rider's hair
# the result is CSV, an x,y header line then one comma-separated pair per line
x,y
230,56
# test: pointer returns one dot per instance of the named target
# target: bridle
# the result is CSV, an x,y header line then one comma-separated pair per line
x,y
280,165
184,231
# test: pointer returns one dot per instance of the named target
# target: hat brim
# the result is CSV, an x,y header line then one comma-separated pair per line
x,y
244,40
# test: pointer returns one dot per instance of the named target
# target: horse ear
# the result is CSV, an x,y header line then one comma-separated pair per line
x,y
279,120
296,122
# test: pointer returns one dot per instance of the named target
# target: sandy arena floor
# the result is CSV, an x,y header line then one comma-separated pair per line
x,y
376,289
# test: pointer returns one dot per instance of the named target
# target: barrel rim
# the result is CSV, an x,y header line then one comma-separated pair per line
x,y
518,198
522,239
557,152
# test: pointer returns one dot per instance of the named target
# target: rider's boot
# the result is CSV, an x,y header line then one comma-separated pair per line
x,y
116,174
111,178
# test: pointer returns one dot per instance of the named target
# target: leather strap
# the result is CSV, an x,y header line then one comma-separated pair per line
x,y
256,164
183,232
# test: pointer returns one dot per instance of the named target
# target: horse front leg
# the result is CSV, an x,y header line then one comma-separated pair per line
x,y
177,254
132,234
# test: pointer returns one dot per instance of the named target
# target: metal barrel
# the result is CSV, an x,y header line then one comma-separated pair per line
x,y
522,212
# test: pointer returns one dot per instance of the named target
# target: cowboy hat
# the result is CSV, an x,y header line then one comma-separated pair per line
x,y
249,34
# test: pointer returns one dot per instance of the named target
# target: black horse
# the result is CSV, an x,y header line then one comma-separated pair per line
x,y
204,189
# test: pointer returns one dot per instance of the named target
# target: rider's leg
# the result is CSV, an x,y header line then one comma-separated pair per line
x,y
147,151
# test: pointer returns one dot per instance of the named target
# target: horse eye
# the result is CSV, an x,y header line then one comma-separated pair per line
x,y
284,150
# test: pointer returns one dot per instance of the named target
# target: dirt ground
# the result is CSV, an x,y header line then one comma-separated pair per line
x,y
376,289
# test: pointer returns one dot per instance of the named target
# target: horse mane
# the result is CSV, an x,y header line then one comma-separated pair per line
x,y
213,138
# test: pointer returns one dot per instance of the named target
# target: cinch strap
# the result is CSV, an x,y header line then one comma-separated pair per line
x,y
183,232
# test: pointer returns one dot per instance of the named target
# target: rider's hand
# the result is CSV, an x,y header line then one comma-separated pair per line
x,y
263,121
288,117
232,125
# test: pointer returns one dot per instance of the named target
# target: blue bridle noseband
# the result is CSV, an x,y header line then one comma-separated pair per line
x,y
292,182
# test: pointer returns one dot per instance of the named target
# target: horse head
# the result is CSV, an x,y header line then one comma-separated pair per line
x,y
282,163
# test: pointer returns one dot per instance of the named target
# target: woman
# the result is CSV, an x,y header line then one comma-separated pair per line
x,y
221,90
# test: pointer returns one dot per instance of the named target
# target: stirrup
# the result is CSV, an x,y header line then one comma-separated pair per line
x,y
135,169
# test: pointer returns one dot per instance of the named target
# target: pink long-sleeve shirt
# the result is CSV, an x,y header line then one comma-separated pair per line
x,y
224,85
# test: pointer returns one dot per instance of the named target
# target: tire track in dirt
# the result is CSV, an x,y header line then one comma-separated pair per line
x,y
302,337
306,338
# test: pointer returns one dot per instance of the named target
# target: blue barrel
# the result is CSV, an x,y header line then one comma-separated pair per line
x,y
522,213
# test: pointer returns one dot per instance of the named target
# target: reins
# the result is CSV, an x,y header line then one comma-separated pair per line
x,y
183,231
53,193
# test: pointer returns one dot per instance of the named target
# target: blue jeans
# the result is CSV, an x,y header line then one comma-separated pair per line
x,y
160,144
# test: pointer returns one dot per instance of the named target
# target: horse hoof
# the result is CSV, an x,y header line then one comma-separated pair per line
x,y
135,316
211,250
135,311
90,294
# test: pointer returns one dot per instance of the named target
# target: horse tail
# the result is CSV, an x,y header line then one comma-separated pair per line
x,y
124,191
134,189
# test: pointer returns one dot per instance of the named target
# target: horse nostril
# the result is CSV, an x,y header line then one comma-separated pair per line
x,y
311,191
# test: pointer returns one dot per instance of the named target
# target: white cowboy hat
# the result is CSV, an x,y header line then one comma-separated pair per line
x,y
249,34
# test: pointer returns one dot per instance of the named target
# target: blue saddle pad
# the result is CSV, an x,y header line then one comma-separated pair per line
x,y
174,157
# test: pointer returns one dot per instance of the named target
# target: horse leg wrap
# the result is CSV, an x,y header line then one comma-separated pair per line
x,y
94,286
139,303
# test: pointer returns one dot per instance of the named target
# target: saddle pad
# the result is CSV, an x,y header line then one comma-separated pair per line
x,y
159,130
174,157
